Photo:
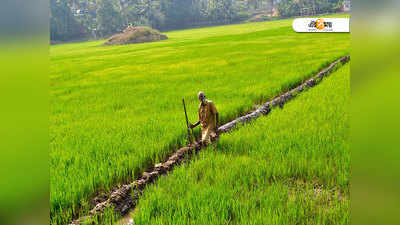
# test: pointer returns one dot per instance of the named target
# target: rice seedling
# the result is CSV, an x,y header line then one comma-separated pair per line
x,y
291,167
116,110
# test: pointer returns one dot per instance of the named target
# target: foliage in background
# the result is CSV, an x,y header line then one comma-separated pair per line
x,y
109,20
289,8
63,24
72,19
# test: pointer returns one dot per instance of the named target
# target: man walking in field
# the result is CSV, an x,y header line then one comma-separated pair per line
x,y
208,118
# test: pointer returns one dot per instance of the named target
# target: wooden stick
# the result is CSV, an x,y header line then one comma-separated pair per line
x,y
187,122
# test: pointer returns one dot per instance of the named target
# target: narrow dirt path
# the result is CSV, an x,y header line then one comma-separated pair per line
x,y
124,198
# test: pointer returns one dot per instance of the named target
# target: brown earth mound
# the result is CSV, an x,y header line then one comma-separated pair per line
x,y
133,35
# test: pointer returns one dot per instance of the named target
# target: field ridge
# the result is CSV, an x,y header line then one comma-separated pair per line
x,y
121,199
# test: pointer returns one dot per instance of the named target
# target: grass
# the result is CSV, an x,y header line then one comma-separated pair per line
x,y
115,110
291,167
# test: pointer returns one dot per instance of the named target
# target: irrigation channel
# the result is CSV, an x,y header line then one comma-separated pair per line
x,y
124,198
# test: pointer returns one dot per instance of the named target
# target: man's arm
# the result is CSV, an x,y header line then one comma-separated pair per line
x,y
194,125
197,123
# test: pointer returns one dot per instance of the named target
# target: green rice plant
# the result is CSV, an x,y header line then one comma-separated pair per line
x,y
107,217
114,110
291,167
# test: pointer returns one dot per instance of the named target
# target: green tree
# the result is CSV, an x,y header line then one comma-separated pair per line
x,y
63,25
289,8
177,13
109,20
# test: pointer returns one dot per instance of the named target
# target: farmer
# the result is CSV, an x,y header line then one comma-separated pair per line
x,y
208,118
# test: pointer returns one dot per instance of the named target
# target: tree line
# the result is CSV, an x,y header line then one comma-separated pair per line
x,y
75,19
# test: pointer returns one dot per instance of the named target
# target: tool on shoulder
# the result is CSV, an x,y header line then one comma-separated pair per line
x,y
187,123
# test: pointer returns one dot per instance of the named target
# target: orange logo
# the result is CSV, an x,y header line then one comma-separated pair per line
x,y
320,24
